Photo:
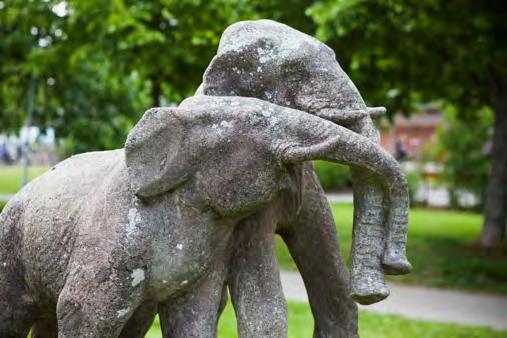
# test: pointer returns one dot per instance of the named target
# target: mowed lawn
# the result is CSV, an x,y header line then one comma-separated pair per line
x,y
371,325
10,177
442,247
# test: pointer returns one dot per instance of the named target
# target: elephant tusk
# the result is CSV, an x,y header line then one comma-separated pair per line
x,y
346,117
376,111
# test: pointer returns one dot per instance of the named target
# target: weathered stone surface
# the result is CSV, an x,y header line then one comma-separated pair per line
x,y
102,236
99,244
276,63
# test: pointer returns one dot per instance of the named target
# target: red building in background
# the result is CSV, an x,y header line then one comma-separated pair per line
x,y
408,136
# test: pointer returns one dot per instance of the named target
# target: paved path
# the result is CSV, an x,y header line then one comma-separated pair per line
x,y
425,303
5,197
340,197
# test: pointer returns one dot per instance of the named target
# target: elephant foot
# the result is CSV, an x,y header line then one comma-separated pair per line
x,y
368,288
395,264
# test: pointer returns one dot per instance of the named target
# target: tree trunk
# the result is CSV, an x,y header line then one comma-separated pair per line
x,y
495,206
156,89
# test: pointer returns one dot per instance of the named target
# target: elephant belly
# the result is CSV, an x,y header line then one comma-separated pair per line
x,y
184,258
57,214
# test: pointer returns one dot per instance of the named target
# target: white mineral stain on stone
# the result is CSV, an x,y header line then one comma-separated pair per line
x,y
226,124
122,312
222,127
134,219
179,246
272,121
137,276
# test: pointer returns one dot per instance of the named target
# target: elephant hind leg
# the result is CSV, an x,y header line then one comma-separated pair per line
x,y
16,314
46,327
16,302
140,322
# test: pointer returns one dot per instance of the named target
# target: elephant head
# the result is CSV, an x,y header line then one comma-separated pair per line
x,y
235,151
273,62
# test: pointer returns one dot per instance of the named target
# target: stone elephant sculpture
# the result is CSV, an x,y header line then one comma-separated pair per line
x,y
87,247
273,62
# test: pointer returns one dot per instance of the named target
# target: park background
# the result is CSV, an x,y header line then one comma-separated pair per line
x,y
76,76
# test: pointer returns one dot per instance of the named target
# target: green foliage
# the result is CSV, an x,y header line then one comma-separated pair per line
x,y
401,52
79,90
414,180
98,65
370,325
448,237
461,145
333,176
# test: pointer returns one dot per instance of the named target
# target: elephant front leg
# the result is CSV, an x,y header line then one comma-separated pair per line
x,y
312,241
95,303
254,279
195,313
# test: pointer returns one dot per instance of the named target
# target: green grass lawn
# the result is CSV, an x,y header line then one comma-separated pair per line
x,y
10,177
370,325
442,247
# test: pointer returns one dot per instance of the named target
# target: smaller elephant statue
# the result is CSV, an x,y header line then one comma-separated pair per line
x,y
276,63
87,247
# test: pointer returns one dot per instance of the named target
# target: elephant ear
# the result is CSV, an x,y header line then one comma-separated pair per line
x,y
154,154
237,73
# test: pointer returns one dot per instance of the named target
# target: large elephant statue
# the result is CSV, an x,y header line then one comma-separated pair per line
x,y
275,63
87,247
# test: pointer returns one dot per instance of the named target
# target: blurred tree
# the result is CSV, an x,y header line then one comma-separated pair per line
x,y
99,64
400,52
170,42
77,91
464,151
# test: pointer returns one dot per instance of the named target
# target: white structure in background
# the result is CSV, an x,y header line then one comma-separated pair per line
x,y
433,193
41,146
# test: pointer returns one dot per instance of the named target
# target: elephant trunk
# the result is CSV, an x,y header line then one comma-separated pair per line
x,y
380,217
376,249
379,170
